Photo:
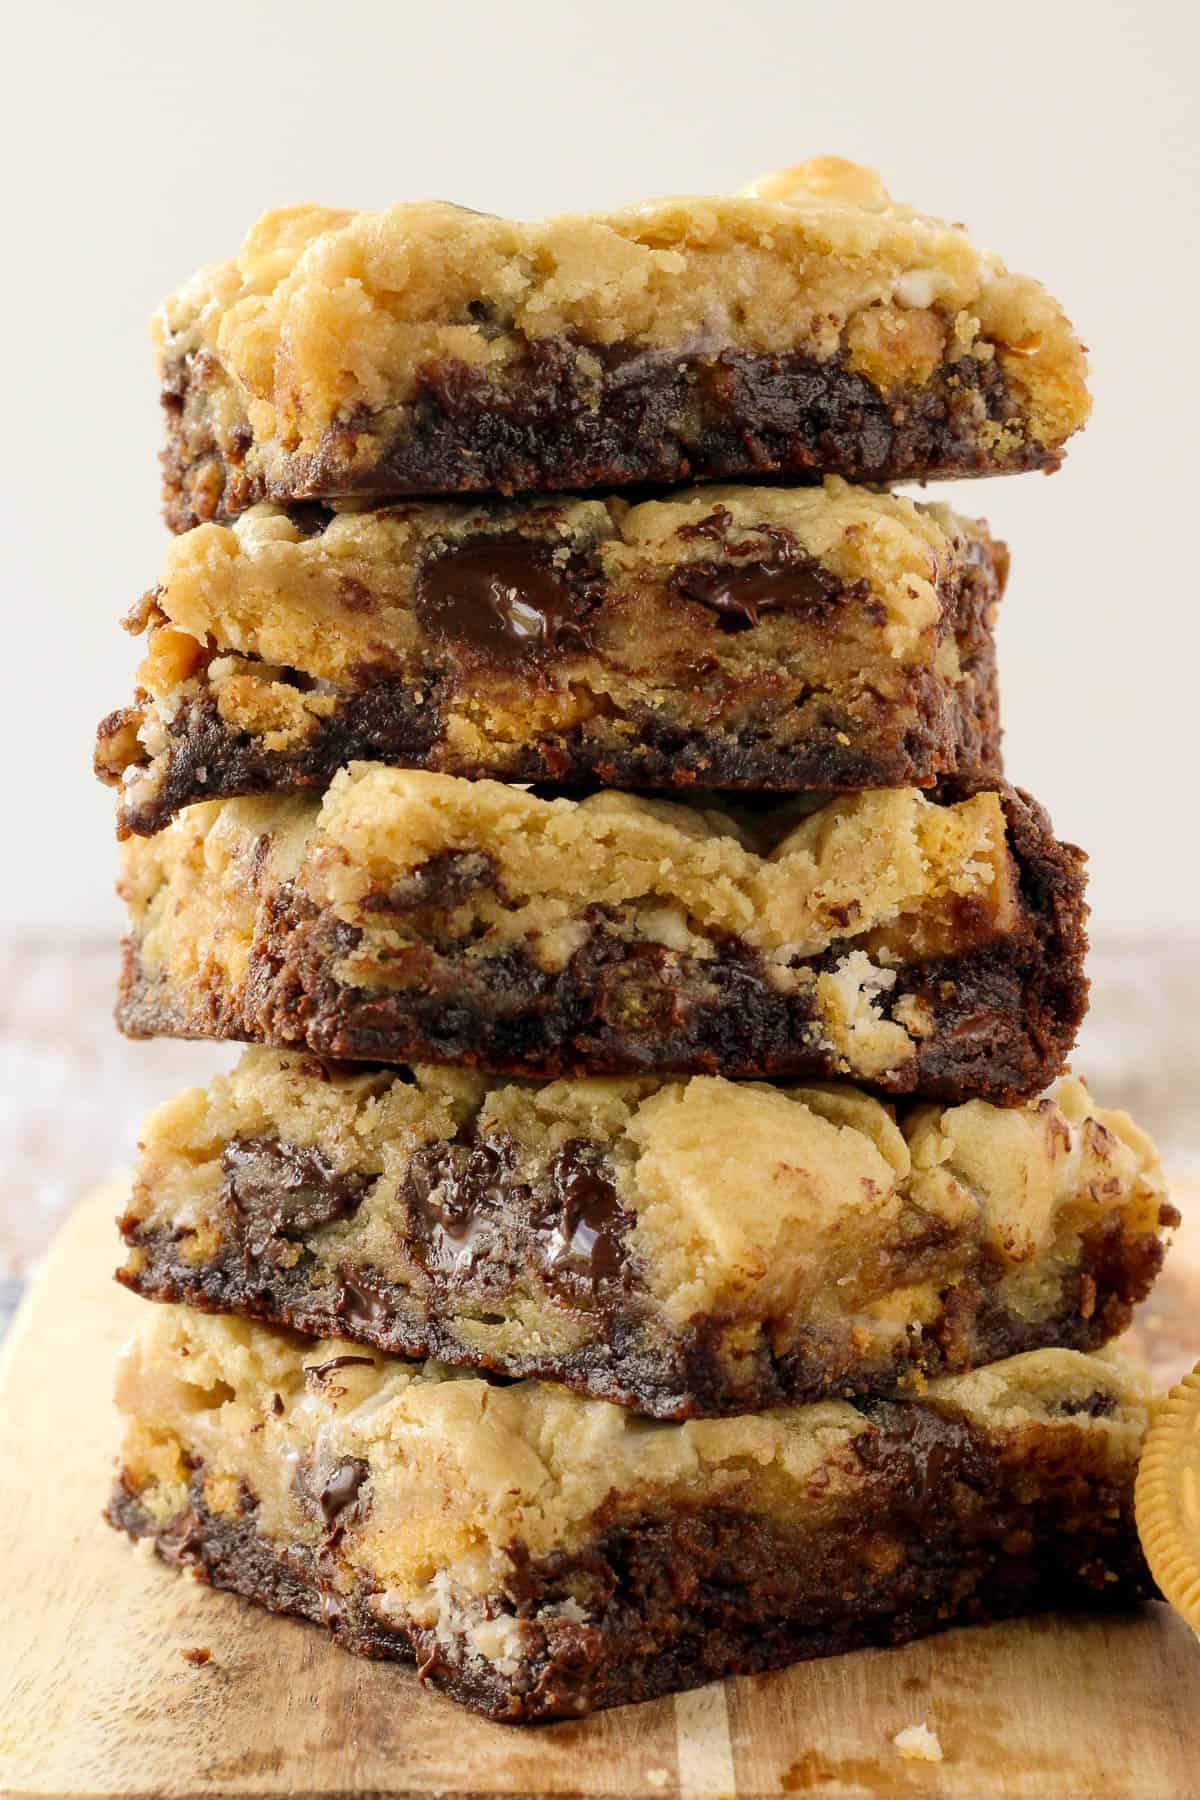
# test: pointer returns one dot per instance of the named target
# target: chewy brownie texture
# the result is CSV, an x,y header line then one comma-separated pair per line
x,y
686,1248
539,1555
815,638
809,325
921,943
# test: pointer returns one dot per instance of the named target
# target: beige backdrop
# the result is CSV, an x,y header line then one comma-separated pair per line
x,y
144,138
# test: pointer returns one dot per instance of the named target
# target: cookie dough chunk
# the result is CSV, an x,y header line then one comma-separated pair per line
x,y
760,637
687,1248
539,1555
806,326
922,944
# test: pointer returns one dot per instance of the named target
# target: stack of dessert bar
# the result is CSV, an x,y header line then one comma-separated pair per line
x,y
650,1236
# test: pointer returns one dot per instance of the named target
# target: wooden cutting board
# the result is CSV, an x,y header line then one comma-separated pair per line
x,y
97,1697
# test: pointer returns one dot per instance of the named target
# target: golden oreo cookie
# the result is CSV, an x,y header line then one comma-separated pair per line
x,y
1167,1498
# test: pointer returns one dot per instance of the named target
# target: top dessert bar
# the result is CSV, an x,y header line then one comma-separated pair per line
x,y
816,637
808,325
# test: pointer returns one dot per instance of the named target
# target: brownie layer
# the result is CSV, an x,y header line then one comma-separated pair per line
x,y
923,945
702,1598
807,326
999,1494
687,1249
822,639
572,416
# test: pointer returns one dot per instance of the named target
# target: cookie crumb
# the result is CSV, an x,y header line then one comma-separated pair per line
x,y
657,1778
199,1656
916,1743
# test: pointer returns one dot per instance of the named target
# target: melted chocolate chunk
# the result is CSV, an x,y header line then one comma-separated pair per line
x,y
360,1305
471,1222
788,580
740,593
584,1247
507,599
455,1195
341,1490
920,1453
320,1371
282,1190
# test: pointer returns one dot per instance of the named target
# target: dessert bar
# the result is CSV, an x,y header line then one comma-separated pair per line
x,y
539,1555
820,638
807,326
927,943
687,1248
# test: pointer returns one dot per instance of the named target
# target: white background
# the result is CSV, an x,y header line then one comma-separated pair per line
x,y
143,139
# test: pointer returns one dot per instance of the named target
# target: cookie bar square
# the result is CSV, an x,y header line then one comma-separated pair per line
x,y
815,638
807,326
922,943
687,1248
539,1555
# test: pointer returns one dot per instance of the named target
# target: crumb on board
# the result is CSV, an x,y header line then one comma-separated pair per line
x,y
657,1778
198,1655
918,1744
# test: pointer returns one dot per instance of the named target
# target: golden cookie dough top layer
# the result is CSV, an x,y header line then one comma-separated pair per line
x,y
888,857
746,1199
459,1469
342,599
325,313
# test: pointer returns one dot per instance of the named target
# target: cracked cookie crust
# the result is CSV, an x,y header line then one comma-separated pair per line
x,y
685,1248
816,638
539,1555
807,326
929,944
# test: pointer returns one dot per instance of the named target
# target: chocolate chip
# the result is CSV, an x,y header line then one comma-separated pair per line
x,y
584,1248
455,1197
472,1221
786,580
341,1490
282,1189
741,592
321,1371
506,599
359,1303
920,1453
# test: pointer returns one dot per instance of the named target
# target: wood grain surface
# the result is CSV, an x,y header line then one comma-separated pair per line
x,y
98,1698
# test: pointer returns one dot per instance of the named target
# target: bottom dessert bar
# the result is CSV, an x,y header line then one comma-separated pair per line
x,y
539,1555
